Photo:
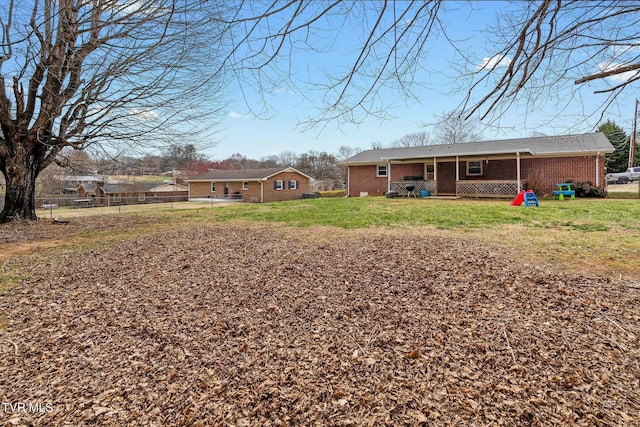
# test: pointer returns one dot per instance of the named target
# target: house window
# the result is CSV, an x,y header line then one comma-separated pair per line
x,y
278,185
474,168
245,185
141,197
293,185
117,198
213,186
381,170
431,172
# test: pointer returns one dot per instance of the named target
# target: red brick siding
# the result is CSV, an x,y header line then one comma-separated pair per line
x,y
271,195
202,189
497,170
364,179
553,170
398,172
549,171
253,194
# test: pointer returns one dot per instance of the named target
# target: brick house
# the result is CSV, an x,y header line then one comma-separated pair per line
x,y
481,169
251,185
116,194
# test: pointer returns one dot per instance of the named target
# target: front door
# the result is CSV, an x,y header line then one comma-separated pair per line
x,y
446,177
226,189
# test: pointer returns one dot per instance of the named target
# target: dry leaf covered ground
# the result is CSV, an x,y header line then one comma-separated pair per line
x,y
252,326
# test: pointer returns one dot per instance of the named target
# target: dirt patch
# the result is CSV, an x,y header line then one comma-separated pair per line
x,y
253,326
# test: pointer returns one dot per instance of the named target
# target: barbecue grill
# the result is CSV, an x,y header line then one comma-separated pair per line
x,y
410,190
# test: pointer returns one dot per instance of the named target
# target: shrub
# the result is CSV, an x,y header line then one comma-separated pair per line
x,y
333,193
535,183
586,189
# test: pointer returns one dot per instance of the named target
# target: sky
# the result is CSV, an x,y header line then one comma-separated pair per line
x,y
284,106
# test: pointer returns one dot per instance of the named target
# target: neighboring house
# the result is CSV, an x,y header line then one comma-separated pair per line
x,y
326,184
130,193
251,185
481,169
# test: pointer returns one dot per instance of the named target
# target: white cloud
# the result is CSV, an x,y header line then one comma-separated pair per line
x,y
235,115
145,115
622,77
493,62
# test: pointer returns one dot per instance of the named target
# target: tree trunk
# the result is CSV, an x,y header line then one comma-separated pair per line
x,y
20,176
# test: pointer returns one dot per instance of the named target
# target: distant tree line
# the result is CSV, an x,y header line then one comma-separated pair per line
x,y
184,161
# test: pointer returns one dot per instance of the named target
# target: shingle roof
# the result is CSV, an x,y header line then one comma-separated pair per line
x,y
544,145
242,174
138,187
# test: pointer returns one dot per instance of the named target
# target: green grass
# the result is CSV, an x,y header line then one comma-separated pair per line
x,y
463,214
598,235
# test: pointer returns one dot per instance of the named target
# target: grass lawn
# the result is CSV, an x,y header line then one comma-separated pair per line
x,y
599,235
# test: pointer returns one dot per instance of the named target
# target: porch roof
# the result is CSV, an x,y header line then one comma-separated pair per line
x,y
543,146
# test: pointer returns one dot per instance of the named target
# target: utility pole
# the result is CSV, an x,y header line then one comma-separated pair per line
x,y
632,147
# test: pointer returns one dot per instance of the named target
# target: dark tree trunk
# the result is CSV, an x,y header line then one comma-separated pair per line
x,y
20,176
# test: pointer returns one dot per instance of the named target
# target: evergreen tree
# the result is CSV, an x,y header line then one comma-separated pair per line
x,y
619,159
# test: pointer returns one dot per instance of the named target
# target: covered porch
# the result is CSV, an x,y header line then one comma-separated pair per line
x,y
497,176
464,188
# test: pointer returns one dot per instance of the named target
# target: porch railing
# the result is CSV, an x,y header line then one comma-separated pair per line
x,y
401,187
477,188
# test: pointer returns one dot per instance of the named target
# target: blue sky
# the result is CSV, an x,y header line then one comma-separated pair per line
x,y
278,131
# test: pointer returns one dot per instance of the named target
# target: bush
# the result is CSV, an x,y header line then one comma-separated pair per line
x,y
535,183
333,193
586,189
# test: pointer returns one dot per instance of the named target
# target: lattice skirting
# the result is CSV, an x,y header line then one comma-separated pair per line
x,y
401,187
488,188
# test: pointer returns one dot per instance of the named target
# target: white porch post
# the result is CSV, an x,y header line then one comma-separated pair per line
x,y
457,173
435,169
518,169
388,176
348,180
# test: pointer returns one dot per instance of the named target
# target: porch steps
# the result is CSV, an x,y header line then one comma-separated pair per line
x,y
530,199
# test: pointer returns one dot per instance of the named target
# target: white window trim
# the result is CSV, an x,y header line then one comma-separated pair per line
x,y
386,171
279,184
213,186
474,174
293,184
245,185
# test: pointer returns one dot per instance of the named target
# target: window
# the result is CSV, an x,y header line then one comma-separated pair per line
x,y
245,185
141,197
474,168
381,170
293,185
278,185
117,198
213,186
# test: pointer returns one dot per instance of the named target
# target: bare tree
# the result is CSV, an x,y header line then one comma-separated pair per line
x,y
345,152
552,44
537,48
451,128
126,75
287,158
416,139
